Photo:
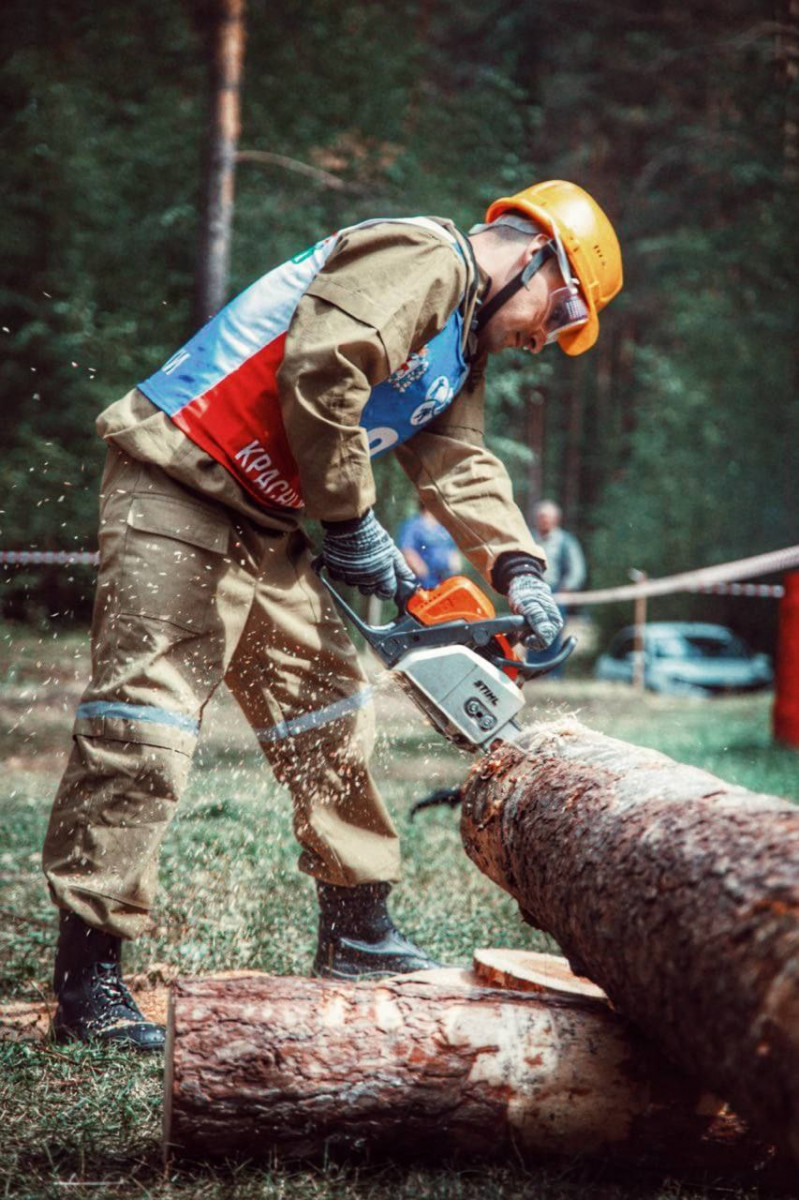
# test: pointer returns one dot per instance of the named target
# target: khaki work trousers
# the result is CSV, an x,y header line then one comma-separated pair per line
x,y
188,595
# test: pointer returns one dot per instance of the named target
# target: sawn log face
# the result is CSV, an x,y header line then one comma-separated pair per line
x,y
675,892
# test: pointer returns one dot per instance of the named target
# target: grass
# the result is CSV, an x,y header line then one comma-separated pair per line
x,y
83,1122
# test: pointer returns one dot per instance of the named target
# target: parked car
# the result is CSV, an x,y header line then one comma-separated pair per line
x,y
686,657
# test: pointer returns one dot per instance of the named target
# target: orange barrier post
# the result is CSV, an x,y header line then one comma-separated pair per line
x,y
786,699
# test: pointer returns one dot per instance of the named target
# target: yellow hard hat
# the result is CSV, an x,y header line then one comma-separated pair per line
x,y
569,214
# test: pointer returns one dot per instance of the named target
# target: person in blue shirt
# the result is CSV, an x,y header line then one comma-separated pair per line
x,y
429,550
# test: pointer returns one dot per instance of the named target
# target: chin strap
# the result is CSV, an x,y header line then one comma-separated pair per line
x,y
512,287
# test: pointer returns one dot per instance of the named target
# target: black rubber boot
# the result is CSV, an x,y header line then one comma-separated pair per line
x,y
358,939
93,1002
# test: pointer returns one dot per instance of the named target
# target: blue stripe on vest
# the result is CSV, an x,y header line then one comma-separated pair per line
x,y
138,712
417,391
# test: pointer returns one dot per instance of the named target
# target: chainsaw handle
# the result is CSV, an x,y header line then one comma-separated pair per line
x,y
406,590
318,565
390,642
534,670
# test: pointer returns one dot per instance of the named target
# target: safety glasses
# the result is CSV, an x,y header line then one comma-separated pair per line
x,y
566,309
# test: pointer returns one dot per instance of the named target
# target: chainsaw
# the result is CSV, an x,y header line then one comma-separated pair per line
x,y
455,658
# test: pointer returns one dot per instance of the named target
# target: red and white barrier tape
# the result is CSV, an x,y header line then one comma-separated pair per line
x,y
706,579
44,558
689,581
769,590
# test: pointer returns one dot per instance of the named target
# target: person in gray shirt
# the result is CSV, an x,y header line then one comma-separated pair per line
x,y
566,569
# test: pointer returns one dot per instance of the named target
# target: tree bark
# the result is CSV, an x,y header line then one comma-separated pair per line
x,y
675,892
787,55
573,448
226,50
432,1068
536,440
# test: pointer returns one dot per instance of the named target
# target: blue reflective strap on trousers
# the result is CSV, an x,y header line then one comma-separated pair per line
x,y
138,712
314,720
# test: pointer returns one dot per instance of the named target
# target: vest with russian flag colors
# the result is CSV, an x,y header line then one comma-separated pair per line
x,y
221,387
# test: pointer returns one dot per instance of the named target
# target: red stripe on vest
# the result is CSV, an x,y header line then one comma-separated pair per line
x,y
239,423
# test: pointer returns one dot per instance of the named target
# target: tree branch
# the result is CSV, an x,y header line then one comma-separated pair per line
x,y
292,164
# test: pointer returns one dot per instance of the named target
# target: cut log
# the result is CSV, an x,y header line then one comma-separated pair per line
x,y
530,971
673,891
408,1068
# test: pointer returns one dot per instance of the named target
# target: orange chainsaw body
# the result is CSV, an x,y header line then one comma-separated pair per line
x,y
458,599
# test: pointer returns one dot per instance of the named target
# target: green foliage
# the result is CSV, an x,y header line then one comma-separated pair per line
x,y
666,444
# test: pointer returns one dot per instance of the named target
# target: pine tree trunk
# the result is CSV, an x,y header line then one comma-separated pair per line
x,y
787,56
536,406
675,892
573,451
226,51
408,1069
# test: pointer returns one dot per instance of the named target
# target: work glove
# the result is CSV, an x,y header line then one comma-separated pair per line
x,y
531,598
361,553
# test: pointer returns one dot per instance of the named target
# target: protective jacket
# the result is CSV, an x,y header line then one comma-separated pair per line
x,y
221,388
205,573
355,347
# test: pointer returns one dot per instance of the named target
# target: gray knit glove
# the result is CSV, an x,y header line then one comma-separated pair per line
x,y
531,598
361,553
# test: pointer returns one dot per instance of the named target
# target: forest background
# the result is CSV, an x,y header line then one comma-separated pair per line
x,y
671,445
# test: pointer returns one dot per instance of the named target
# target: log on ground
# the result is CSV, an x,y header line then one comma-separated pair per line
x,y
673,891
437,1068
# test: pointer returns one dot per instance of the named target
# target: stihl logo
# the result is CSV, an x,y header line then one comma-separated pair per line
x,y
483,687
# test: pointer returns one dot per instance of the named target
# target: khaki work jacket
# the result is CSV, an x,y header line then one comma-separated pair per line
x,y
383,293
